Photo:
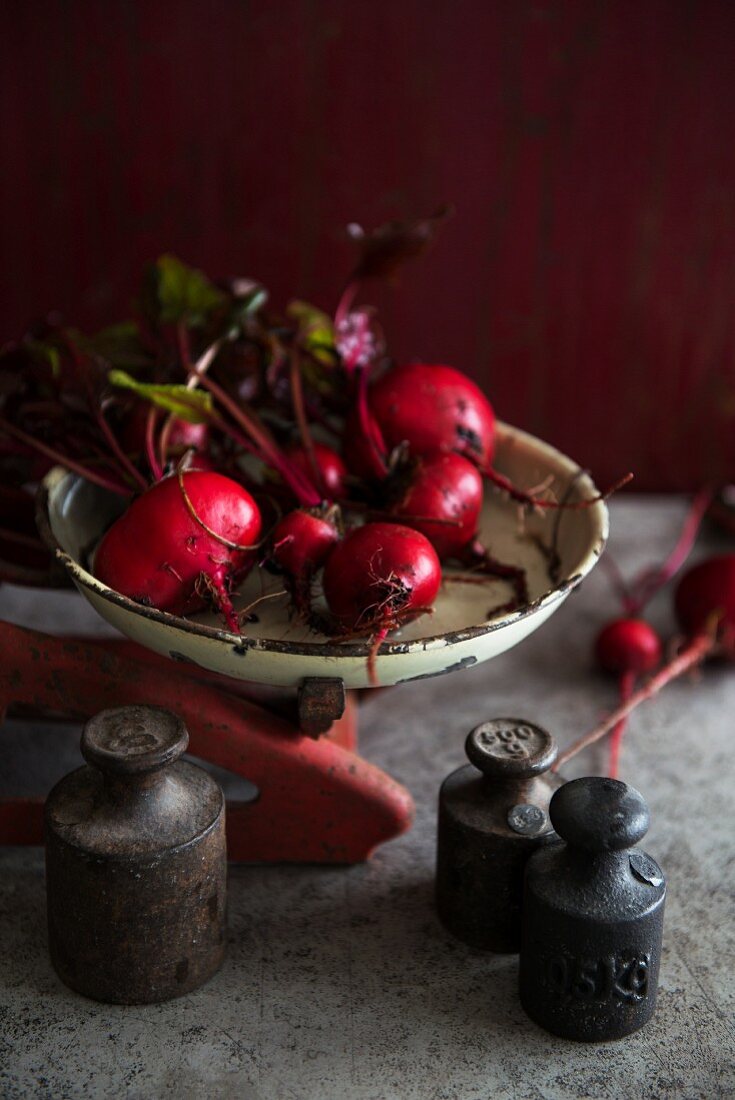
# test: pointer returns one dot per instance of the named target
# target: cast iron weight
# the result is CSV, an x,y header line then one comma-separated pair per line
x,y
135,863
592,916
490,821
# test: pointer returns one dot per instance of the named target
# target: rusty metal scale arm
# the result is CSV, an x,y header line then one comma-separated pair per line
x,y
318,801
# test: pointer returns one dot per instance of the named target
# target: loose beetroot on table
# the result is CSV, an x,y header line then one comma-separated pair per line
x,y
704,601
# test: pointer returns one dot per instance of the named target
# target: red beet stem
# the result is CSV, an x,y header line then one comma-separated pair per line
x,y
64,460
700,646
302,421
370,429
164,438
345,302
150,448
126,468
627,681
619,584
117,450
649,581
302,488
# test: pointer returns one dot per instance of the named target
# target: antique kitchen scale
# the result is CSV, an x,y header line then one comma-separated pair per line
x,y
318,799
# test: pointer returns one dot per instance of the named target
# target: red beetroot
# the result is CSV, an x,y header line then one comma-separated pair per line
x,y
159,554
443,501
181,436
628,645
301,543
378,575
430,407
331,468
705,591
705,606
184,435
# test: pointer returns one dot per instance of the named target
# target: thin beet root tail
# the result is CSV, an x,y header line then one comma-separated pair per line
x,y
479,560
522,496
627,648
373,655
649,581
247,614
391,597
327,625
401,618
630,646
300,590
217,589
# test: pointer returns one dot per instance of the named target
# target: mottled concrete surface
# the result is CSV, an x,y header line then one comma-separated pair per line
x,y
340,982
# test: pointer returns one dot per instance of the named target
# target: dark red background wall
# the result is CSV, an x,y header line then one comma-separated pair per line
x,y
588,278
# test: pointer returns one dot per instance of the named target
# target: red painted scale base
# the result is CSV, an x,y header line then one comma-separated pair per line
x,y
318,800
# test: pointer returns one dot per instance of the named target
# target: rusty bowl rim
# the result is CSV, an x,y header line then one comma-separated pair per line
x,y
584,487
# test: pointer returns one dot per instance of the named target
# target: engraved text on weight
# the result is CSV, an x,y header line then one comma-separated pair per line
x,y
510,740
622,978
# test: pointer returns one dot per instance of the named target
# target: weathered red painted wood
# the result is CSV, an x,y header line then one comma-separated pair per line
x,y
317,802
588,278
343,731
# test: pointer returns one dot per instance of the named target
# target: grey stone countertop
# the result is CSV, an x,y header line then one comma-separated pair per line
x,y
340,982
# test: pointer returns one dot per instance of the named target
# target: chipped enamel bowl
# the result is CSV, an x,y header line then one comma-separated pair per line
x,y
462,631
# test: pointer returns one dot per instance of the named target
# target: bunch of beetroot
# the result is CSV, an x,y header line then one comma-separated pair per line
x,y
240,436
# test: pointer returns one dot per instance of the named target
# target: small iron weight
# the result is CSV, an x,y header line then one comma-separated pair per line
x,y
493,813
135,863
592,916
